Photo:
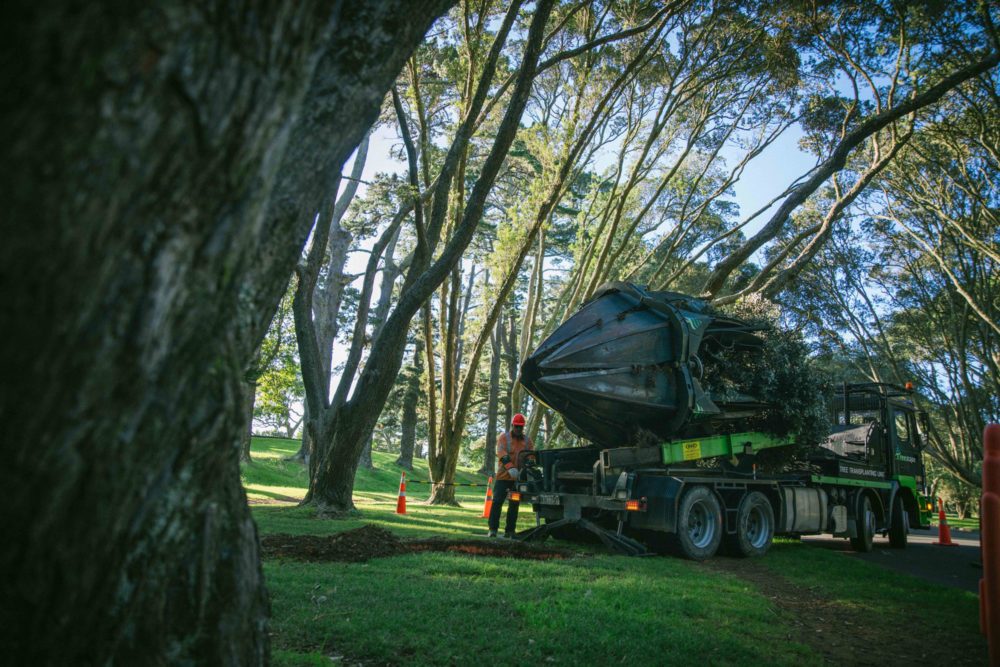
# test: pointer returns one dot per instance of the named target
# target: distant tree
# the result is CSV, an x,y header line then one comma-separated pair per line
x,y
280,392
935,50
273,382
913,297
349,417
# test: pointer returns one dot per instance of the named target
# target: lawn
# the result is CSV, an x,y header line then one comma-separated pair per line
x,y
451,609
968,523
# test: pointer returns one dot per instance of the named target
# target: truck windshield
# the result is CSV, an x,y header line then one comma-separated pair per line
x,y
858,417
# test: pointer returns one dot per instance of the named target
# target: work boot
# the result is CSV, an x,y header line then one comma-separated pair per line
x,y
492,534
509,535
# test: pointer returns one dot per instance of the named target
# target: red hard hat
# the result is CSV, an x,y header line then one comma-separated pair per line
x,y
518,420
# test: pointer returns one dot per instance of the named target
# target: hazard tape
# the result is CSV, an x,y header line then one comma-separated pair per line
x,y
427,481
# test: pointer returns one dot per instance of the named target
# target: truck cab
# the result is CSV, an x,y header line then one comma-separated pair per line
x,y
878,434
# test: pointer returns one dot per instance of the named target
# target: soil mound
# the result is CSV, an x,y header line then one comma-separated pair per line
x,y
362,544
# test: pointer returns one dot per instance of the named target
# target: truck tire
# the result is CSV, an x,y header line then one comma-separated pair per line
x,y
866,531
897,524
699,524
754,527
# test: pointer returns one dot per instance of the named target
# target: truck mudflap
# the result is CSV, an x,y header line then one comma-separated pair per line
x,y
612,539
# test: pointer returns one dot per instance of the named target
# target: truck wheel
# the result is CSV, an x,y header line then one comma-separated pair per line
x,y
699,524
754,527
897,525
866,526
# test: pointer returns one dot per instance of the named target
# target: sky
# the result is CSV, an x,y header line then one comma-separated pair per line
x,y
766,177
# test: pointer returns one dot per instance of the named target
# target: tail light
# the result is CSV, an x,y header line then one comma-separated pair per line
x,y
636,505
515,497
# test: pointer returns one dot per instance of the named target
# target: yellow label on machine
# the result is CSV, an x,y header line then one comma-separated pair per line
x,y
692,450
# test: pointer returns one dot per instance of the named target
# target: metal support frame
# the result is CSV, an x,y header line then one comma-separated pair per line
x,y
611,539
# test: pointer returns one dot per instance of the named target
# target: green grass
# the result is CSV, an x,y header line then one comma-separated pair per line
x,y
969,523
444,609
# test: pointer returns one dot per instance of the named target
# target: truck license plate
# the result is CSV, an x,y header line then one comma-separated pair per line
x,y
548,499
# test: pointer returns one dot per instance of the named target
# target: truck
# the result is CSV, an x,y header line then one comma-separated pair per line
x,y
670,466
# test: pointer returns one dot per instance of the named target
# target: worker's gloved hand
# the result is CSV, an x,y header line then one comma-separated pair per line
x,y
512,472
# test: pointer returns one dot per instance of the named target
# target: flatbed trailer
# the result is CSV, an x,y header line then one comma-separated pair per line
x,y
868,480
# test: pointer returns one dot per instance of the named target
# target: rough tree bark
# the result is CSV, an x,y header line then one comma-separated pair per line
x,y
156,175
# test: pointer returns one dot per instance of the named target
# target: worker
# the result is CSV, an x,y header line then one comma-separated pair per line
x,y
509,446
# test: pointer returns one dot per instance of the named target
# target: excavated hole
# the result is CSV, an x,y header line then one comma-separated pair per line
x,y
361,544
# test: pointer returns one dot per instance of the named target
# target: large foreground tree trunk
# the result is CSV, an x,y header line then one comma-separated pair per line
x,y
159,165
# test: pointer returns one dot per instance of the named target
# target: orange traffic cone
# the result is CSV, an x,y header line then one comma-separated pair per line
x,y
401,502
488,505
944,531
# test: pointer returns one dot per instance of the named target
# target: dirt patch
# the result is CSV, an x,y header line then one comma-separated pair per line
x,y
842,635
367,542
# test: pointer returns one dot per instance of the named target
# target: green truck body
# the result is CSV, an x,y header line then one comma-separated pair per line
x,y
867,480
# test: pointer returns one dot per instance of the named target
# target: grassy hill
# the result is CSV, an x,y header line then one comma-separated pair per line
x,y
798,605
274,486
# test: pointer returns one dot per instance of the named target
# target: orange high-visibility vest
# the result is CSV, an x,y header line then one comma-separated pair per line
x,y
507,446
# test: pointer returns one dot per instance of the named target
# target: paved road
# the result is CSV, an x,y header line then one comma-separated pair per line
x,y
958,566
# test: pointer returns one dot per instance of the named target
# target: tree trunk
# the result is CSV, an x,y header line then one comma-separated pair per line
x,y
332,487
249,398
535,285
410,399
390,272
443,492
508,339
305,449
365,460
489,451
153,161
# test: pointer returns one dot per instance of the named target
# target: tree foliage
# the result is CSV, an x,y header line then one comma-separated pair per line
x,y
641,119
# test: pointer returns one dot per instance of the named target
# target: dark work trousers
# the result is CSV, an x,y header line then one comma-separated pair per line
x,y
501,489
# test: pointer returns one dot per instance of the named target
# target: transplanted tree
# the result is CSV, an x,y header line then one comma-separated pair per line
x,y
716,80
162,165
